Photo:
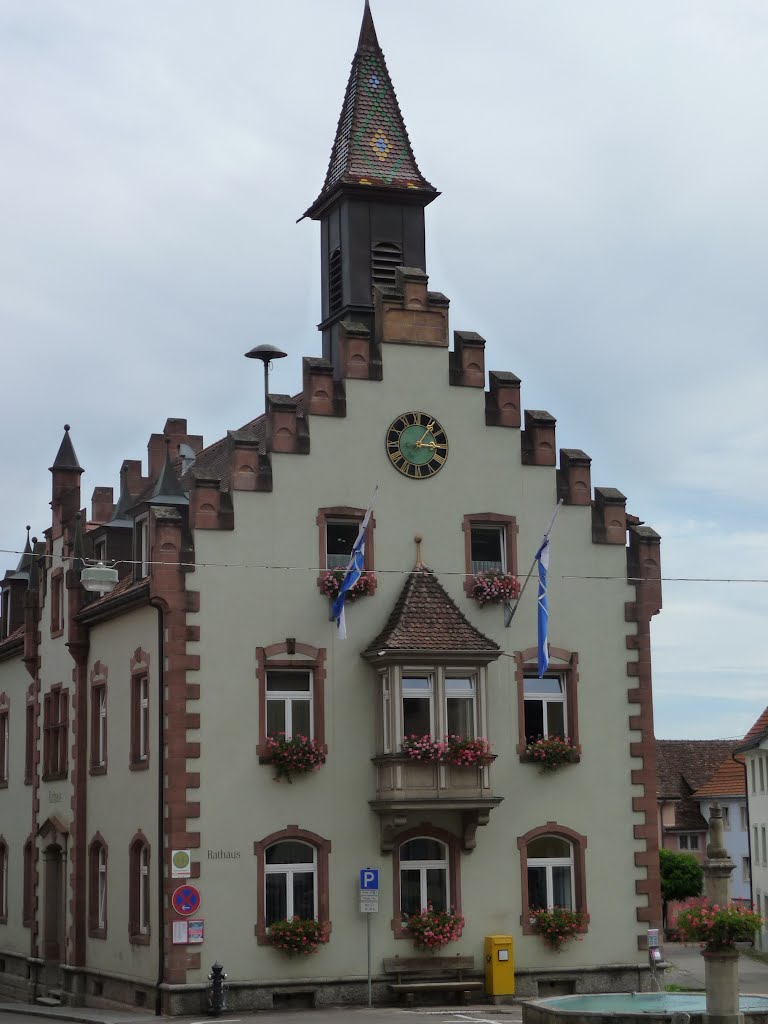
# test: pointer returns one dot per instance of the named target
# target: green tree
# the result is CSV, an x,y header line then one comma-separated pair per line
x,y
681,877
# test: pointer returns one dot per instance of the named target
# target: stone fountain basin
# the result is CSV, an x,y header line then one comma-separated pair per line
x,y
634,1008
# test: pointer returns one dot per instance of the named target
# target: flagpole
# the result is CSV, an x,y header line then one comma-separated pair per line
x,y
509,610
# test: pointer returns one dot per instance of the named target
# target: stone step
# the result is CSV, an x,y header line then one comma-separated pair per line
x,y
48,1000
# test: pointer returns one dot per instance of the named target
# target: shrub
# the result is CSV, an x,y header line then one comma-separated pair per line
x,y
718,928
295,756
298,935
432,929
550,752
557,926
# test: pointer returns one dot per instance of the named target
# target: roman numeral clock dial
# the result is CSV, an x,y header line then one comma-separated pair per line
x,y
417,445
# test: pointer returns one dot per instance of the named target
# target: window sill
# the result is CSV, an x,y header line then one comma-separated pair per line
x,y
139,939
97,769
57,633
138,766
263,937
3,783
97,933
55,776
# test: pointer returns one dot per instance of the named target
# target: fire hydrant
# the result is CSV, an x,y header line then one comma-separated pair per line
x,y
217,997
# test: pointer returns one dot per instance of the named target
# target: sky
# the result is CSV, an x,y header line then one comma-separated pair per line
x,y
603,224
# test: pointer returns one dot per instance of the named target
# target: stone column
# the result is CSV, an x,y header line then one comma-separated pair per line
x,y
721,969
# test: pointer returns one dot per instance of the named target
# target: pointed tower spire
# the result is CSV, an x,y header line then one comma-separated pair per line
x,y
371,147
22,569
34,575
65,457
120,516
168,489
372,202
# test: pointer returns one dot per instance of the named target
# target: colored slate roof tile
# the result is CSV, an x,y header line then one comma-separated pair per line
x,y
425,618
371,146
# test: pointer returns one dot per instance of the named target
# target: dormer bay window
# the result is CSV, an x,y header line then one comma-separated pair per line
x,y
431,684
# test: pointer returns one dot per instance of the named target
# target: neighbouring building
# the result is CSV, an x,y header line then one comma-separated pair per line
x,y
754,750
135,727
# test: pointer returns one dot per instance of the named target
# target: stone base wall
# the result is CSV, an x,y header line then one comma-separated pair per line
x,y
82,987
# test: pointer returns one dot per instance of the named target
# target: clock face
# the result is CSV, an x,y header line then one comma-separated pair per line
x,y
417,445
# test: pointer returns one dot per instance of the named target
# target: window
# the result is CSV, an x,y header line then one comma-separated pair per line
x,y
55,723
726,817
385,258
292,870
431,701
28,894
289,703
138,890
340,538
460,706
100,549
29,748
139,721
98,725
743,819
97,888
338,529
57,602
745,872
490,544
141,568
291,691
763,845
425,869
755,845
754,784
762,774
488,549
417,705
545,707
553,871
688,841
548,706
550,873
3,881
290,881
423,875
4,736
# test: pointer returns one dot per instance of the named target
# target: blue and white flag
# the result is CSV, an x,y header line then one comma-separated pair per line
x,y
542,561
353,573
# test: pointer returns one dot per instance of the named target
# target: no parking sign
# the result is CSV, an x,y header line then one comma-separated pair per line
x,y
186,900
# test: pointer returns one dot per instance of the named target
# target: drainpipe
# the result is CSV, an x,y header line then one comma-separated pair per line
x,y
160,805
749,824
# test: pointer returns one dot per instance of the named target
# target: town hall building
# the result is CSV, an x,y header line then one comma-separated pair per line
x,y
196,756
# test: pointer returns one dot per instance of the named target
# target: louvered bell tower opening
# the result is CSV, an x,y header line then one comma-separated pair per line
x,y
334,282
385,257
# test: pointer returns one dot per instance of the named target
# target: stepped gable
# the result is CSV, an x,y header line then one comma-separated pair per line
x,y
682,767
371,146
426,619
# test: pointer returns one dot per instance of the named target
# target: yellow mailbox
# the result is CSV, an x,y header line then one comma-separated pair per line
x,y
499,965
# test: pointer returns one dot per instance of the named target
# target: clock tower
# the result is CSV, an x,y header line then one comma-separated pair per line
x,y
371,206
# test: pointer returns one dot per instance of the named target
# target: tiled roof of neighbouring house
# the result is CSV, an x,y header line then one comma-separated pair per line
x,y
729,778
426,619
682,767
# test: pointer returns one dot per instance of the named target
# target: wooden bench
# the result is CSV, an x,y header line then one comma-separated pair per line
x,y
432,974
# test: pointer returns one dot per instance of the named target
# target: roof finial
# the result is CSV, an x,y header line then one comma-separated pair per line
x,y
367,38
418,539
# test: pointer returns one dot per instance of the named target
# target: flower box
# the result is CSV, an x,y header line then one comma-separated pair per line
x,y
494,587
432,929
460,751
295,756
331,580
557,925
298,936
551,752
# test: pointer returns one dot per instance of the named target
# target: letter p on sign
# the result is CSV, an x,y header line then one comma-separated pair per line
x,y
369,878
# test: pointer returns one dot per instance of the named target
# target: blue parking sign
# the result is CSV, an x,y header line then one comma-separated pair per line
x,y
369,879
